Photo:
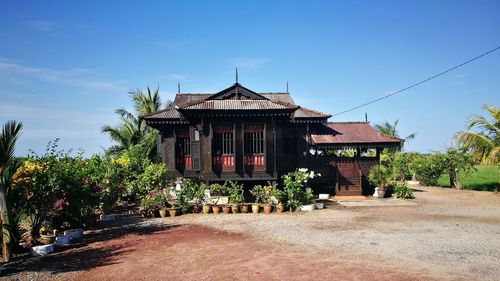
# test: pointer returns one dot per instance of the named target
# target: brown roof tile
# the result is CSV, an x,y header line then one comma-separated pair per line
x,y
309,113
337,133
237,105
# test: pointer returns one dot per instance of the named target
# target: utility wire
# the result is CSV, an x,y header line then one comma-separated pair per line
x,y
418,83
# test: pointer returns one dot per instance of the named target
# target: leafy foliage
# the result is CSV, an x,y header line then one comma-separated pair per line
x,y
401,190
485,141
294,188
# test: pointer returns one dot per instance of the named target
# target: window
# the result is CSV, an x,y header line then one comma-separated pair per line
x,y
223,147
224,140
254,145
183,150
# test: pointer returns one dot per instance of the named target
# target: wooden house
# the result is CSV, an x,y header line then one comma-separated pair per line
x,y
238,134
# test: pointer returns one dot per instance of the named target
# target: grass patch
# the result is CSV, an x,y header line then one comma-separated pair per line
x,y
484,179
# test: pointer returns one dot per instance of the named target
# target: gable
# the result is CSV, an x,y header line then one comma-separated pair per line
x,y
236,92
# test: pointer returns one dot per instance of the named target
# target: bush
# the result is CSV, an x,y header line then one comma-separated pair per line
x,y
429,167
401,190
295,183
153,177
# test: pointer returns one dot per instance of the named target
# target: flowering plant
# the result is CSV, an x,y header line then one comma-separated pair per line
x,y
294,187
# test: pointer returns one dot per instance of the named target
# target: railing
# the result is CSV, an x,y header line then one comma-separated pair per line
x,y
224,161
184,162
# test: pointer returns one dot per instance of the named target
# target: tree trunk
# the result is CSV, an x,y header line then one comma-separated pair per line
x,y
6,233
454,179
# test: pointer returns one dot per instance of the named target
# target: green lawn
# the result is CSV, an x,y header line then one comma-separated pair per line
x,y
485,178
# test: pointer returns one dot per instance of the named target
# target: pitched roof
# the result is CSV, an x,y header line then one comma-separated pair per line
x,y
309,113
340,133
169,113
237,105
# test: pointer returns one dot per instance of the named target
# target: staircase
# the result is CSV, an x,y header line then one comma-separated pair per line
x,y
348,178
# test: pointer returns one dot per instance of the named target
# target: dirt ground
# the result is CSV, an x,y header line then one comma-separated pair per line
x,y
447,235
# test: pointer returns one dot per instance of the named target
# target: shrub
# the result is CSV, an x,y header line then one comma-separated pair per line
x,y
294,188
379,175
429,168
153,177
235,192
401,190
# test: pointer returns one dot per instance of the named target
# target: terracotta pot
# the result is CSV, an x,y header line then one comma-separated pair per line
x,y
381,192
163,213
172,212
207,208
216,209
255,208
226,209
235,209
47,238
280,208
268,208
196,209
244,209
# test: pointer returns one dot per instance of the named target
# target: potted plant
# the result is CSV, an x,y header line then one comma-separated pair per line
x,y
294,187
307,201
278,194
244,208
235,196
257,191
268,198
47,235
161,198
379,175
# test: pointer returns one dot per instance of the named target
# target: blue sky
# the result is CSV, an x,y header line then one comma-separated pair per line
x,y
66,65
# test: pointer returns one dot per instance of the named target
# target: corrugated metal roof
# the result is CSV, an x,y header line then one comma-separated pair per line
x,y
231,104
168,113
309,113
335,133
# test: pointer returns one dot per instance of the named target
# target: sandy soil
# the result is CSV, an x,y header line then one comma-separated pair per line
x,y
447,235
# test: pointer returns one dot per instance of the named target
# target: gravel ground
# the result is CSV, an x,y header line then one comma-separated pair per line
x,y
447,234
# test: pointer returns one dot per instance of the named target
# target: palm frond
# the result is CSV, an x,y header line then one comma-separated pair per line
x,y
11,131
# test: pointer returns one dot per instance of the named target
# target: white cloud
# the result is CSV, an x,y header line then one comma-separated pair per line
x,y
79,77
251,63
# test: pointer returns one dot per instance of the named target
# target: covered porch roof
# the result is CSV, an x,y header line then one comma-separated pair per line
x,y
351,134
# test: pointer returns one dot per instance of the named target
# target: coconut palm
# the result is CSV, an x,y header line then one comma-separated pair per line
x,y
389,129
484,142
132,131
8,137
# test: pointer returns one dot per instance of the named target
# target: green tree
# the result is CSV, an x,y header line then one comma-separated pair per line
x,y
8,138
389,129
484,142
132,131
457,160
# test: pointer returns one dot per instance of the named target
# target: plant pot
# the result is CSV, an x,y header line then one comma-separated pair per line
x,y
163,213
280,208
381,192
255,208
319,205
172,212
216,209
207,208
62,240
268,208
307,208
226,209
244,209
235,209
196,209
74,234
47,238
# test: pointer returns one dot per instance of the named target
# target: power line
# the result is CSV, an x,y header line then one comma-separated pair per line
x,y
418,83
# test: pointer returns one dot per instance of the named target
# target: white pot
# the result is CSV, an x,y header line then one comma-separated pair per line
x,y
320,205
307,208
42,250
413,182
110,217
62,240
74,233
324,196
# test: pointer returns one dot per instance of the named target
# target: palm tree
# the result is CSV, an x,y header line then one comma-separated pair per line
x,y
389,129
132,131
8,137
485,141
